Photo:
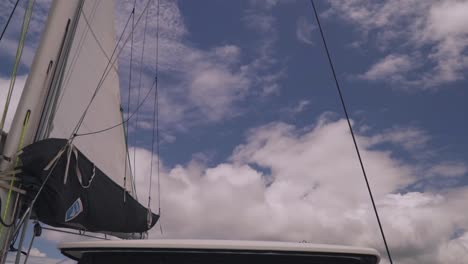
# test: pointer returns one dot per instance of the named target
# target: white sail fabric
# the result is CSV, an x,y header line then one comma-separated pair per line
x,y
70,59
86,64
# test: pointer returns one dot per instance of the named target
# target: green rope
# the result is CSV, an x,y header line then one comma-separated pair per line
x,y
19,52
12,182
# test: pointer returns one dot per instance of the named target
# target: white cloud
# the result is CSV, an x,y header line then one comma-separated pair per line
x,y
304,30
449,169
9,43
291,184
431,33
301,106
260,22
446,28
298,108
214,90
196,85
36,253
228,52
410,138
392,67
258,16
448,18
287,183
264,4
455,250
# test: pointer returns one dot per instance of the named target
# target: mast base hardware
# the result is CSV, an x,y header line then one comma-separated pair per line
x,y
76,203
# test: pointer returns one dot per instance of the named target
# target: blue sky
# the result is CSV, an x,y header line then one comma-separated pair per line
x,y
247,95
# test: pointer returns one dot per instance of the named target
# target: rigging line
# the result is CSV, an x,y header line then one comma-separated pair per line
x,y
152,143
13,249
139,91
155,107
103,76
9,19
19,53
93,34
123,122
3,222
127,156
351,131
156,116
106,71
22,236
13,240
29,248
12,182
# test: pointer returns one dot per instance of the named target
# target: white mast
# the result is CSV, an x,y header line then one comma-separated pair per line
x,y
33,96
68,65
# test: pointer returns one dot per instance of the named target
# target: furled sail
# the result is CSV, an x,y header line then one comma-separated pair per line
x,y
76,48
82,198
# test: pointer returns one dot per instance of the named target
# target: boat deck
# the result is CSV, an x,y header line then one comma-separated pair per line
x,y
213,251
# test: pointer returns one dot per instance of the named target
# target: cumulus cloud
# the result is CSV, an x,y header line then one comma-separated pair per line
x,y
409,138
393,67
197,85
287,183
259,17
36,253
9,42
298,108
431,33
304,30
449,169
293,184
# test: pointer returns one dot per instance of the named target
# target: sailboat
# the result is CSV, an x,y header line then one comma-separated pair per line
x,y
65,159
83,183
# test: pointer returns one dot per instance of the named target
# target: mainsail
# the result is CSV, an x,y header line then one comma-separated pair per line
x,y
87,63
73,61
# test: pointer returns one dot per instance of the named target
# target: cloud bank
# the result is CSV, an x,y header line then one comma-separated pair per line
x,y
290,184
423,43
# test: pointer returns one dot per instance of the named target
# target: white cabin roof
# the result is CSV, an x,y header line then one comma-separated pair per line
x,y
76,249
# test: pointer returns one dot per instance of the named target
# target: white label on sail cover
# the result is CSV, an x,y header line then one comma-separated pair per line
x,y
75,209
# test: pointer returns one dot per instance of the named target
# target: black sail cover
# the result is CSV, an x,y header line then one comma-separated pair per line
x,y
96,204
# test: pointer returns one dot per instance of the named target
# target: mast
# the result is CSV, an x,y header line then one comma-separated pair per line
x,y
38,98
